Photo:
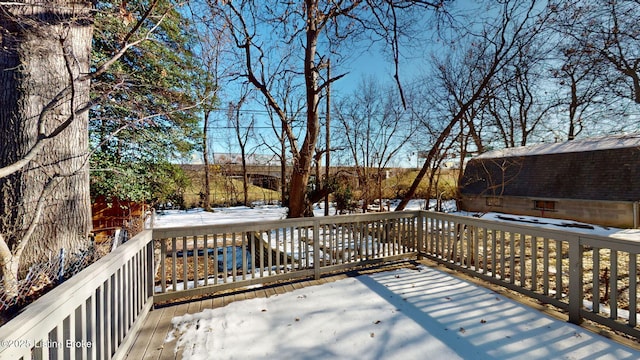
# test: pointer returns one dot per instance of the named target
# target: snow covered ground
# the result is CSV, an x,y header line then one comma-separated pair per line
x,y
568,225
404,314
171,218
195,217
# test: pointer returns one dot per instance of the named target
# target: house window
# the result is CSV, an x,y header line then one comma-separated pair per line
x,y
494,201
544,205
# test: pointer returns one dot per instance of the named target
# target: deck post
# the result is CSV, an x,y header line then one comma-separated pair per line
x,y
316,249
575,279
420,235
150,270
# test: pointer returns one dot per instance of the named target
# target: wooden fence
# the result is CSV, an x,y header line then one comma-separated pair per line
x,y
95,315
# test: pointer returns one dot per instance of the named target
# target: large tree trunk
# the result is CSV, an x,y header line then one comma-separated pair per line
x,y
44,60
298,202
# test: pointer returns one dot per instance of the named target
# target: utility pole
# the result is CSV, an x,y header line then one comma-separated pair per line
x,y
283,169
328,152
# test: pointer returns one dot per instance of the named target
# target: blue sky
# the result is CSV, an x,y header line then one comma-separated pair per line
x,y
370,63
362,62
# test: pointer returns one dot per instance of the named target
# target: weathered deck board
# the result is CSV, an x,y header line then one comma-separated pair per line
x,y
140,347
167,350
150,343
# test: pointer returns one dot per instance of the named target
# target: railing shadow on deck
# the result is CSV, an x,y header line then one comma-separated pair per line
x,y
96,313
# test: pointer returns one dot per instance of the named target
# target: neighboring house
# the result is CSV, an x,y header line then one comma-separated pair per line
x,y
594,180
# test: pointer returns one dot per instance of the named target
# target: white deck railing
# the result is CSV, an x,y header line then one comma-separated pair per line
x,y
95,315
234,256
592,277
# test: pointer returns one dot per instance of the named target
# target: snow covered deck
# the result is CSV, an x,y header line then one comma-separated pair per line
x,y
404,313
151,342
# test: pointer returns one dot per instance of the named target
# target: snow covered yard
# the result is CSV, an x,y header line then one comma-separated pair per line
x,y
402,314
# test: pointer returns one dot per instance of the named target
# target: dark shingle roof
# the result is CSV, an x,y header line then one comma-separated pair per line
x,y
584,145
582,170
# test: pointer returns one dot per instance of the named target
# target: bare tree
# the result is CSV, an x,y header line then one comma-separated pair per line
x,y
611,31
584,89
431,109
489,50
243,131
206,204
211,42
591,91
286,90
518,106
280,151
313,28
374,128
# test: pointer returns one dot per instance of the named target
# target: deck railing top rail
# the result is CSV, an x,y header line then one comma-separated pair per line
x,y
168,232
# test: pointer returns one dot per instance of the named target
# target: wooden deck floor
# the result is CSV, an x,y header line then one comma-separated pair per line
x,y
150,342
